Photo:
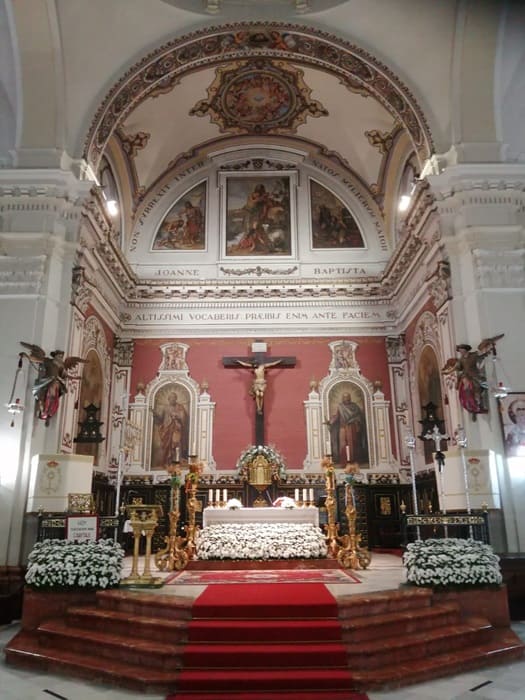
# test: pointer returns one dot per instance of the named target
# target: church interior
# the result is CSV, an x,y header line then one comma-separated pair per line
x,y
273,249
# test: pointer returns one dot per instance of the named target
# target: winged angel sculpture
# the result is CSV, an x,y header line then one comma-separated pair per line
x,y
53,373
470,374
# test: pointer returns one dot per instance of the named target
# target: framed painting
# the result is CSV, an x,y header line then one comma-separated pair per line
x,y
171,425
333,224
384,505
184,226
347,424
258,214
512,415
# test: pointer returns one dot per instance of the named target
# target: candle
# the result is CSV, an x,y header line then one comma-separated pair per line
x,y
210,496
304,495
328,448
347,453
193,450
296,495
311,498
177,454
224,495
217,495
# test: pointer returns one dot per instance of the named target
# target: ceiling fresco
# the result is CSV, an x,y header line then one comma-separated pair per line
x,y
259,97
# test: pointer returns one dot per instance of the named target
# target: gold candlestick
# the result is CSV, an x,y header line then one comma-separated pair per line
x,y
351,555
332,526
345,548
173,556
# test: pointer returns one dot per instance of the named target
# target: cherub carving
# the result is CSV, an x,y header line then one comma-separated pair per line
x,y
53,373
470,374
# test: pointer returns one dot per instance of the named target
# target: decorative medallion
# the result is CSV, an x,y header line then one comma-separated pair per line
x,y
260,97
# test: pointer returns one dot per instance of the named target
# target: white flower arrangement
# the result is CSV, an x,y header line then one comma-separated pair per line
x,y
61,564
450,563
261,541
275,459
234,504
284,502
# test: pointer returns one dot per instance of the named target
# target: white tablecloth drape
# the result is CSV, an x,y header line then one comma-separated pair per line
x,y
308,514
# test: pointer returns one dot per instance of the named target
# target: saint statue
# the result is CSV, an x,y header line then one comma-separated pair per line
x,y
470,374
51,383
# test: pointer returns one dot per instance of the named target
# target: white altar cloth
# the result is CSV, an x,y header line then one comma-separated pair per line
x,y
308,515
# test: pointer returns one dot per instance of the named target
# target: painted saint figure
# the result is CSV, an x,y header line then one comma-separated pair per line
x,y
171,423
348,432
259,382
515,437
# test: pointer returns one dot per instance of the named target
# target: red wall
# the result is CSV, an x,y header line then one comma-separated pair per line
x,y
285,425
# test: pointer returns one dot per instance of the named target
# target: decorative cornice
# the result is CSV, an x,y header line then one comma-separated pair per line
x,y
258,271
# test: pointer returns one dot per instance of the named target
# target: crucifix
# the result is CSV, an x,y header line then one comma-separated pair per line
x,y
259,362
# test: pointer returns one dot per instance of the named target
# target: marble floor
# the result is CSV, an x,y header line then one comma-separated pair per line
x,y
506,682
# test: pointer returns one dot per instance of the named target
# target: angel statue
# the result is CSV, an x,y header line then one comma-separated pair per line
x,y
53,373
470,374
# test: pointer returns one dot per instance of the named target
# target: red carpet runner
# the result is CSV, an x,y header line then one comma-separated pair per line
x,y
265,642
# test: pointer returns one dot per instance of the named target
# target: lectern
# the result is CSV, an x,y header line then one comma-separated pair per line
x,y
143,519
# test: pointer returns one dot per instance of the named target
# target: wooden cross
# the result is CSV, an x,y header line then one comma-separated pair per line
x,y
259,362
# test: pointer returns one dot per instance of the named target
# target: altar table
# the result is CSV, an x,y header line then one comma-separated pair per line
x,y
307,515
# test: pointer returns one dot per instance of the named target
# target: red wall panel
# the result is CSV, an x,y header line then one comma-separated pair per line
x,y
288,388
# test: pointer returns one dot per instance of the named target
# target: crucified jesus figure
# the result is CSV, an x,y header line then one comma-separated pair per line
x,y
259,381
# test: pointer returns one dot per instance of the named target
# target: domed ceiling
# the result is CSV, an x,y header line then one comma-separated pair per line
x,y
262,86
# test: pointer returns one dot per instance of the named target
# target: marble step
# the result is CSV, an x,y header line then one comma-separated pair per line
x,y
383,602
25,651
124,623
169,607
503,647
399,649
399,623
60,635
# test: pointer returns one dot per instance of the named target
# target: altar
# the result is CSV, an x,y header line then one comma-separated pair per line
x,y
307,514
261,533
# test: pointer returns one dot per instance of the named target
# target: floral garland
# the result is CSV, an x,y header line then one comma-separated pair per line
x,y
62,564
275,459
451,563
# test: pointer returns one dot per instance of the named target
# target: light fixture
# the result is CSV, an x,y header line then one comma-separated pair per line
x,y
499,386
406,199
112,207
15,406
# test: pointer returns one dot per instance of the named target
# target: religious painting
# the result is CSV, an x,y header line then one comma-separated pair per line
x,y
512,415
347,424
183,227
171,425
333,225
429,390
384,505
258,215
